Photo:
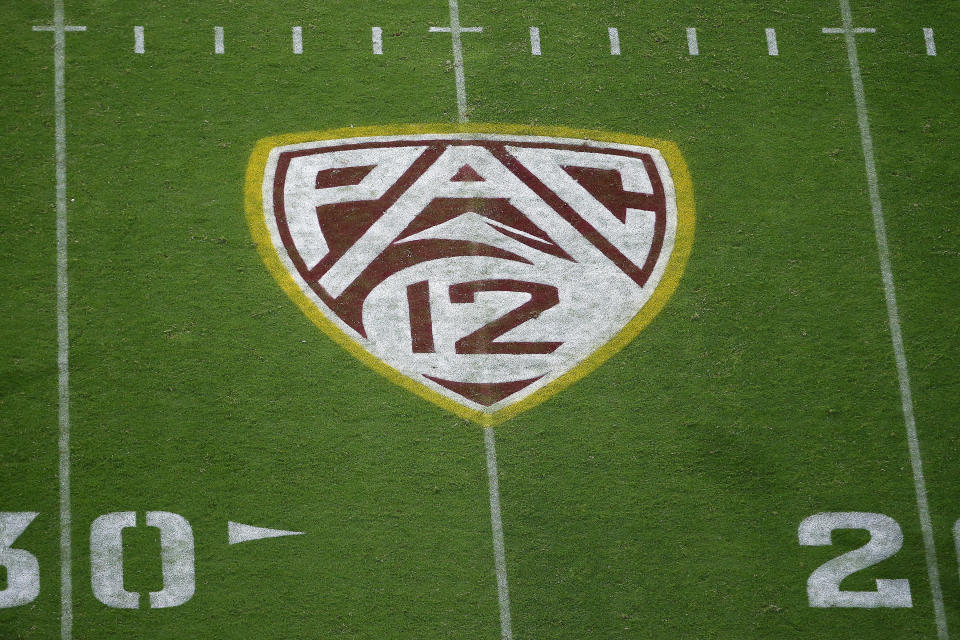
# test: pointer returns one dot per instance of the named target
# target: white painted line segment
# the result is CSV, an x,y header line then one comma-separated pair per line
x,y
138,44
893,317
956,541
462,30
238,532
377,34
297,34
928,39
459,78
59,30
614,34
63,324
772,48
535,41
54,28
496,523
843,30
218,40
693,47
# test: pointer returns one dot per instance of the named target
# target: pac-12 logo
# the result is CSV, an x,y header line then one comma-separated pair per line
x,y
483,267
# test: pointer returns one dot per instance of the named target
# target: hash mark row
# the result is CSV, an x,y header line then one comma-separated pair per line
x,y
376,36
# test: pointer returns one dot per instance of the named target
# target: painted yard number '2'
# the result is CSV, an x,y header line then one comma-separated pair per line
x,y
823,586
542,297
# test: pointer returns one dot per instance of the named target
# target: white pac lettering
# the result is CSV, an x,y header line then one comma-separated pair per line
x,y
302,195
886,538
23,570
631,237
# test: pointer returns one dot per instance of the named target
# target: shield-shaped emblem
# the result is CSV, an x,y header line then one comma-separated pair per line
x,y
482,267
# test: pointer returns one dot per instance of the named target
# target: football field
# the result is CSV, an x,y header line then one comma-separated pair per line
x,y
475,319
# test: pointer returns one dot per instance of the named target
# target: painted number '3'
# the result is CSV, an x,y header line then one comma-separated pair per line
x,y
886,538
23,570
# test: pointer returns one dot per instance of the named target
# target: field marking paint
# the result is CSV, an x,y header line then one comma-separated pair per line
x,y
59,30
835,30
376,33
534,41
238,532
893,316
928,39
956,541
772,48
496,523
218,40
297,34
455,30
462,30
54,28
693,47
138,44
614,34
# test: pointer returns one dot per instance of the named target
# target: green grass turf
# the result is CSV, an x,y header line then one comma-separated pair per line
x,y
657,498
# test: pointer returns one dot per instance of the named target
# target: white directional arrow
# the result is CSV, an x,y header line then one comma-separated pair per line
x,y
237,532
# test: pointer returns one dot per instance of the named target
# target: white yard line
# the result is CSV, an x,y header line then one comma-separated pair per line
x,y
297,34
458,61
614,34
376,33
496,522
59,30
893,317
772,48
928,39
218,40
693,47
63,326
535,41
138,44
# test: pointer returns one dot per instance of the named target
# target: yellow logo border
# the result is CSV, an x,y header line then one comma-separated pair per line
x,y
683,244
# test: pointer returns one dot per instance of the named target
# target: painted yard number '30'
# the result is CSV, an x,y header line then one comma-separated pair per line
x,y
177,560
106,560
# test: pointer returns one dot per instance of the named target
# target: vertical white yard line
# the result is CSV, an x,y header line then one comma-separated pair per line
x,y
893,317
693,47
534,41
458,61
614,34
928,39
956,540
772,48
376,33
138,44
218,40
297,33
63,331
496,522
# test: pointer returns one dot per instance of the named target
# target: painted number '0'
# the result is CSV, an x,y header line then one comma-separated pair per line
x,y
23,570
176,556
823,586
